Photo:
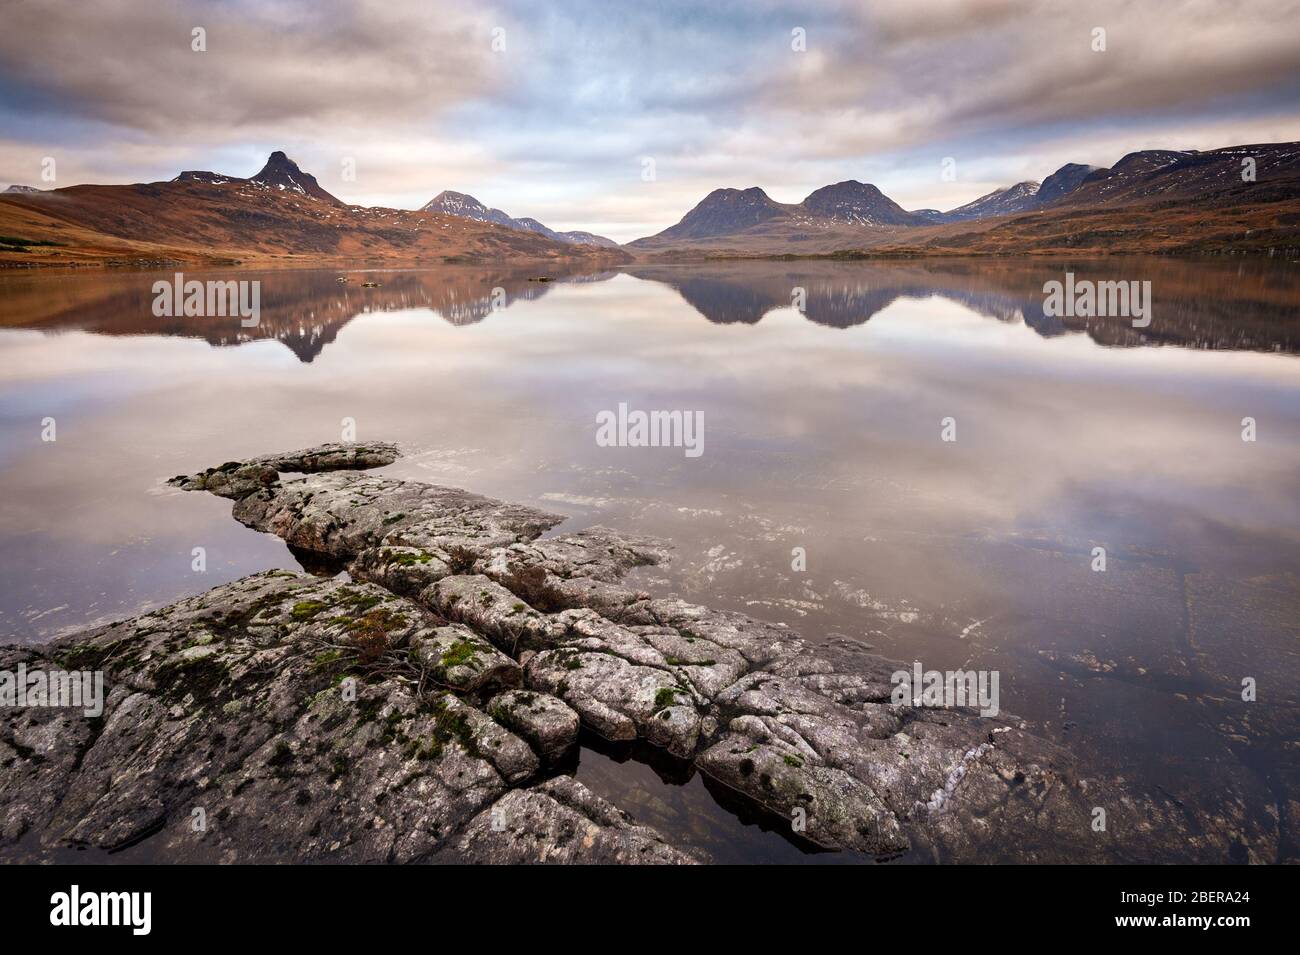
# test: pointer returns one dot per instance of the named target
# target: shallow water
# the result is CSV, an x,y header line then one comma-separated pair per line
x,y
821,431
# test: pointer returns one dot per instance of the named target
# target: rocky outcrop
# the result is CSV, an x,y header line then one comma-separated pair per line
x,y
418,710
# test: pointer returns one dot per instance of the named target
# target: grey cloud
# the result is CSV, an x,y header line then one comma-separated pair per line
x,y
964,67
131,64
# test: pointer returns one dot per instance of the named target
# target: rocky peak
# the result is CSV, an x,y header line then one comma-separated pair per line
x,y
282,174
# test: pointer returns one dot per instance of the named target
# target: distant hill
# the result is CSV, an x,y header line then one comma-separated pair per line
x,y
467,207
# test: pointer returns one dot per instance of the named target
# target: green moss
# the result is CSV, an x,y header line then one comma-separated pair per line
x,y
305,610
448,726
458,654
356,600
666,697
794,761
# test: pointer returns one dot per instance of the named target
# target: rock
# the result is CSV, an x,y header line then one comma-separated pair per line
x,y
487,607
825,804
457,657
548,725
618,699
561,821
238,479
236,702
480,735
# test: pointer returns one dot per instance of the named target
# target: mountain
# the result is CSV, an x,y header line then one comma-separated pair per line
x,y
467,207
857,203
19,188
1064,181
1151,200
725,212
280,215
999,202
825,216
1022,197
1212,175
280,174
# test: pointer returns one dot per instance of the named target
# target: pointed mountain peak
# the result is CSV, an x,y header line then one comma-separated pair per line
x,y
282,174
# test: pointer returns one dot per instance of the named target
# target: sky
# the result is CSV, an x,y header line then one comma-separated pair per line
x,y
617,117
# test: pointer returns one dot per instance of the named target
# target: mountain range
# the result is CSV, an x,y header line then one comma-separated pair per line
x,y
853,215
1239,198
279,216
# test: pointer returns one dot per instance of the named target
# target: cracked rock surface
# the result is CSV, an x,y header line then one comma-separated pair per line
x,y
418,711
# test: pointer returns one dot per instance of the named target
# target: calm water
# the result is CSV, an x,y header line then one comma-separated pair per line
x,y
822,431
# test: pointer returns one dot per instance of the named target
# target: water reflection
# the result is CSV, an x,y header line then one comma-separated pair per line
x,y
302,309
1209,304
974,554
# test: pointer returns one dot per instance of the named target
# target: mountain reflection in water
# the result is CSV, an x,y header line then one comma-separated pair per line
x,y
1215,304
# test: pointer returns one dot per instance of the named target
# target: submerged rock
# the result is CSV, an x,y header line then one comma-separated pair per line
x,y
411,714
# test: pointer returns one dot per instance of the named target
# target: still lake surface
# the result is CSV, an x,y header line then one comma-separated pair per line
x,y
821,431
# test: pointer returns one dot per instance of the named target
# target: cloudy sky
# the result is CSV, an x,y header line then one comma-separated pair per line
x,y
551,109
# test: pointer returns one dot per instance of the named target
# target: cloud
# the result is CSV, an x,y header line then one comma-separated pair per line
x,y
132,65
555,125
